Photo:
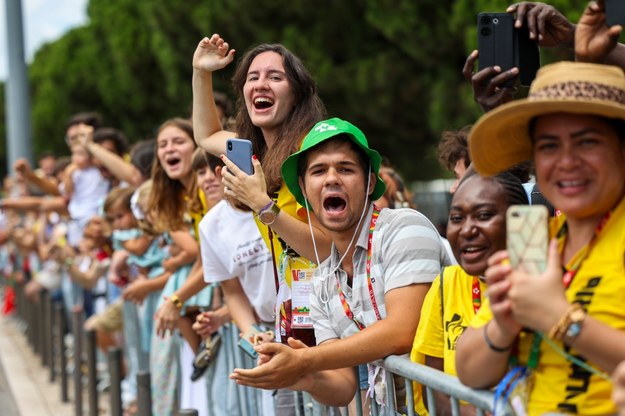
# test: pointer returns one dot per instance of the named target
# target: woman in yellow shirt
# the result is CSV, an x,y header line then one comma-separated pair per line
x,y
476,229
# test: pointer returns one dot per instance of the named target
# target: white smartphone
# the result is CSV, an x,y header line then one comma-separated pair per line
x,y
527,237
239,151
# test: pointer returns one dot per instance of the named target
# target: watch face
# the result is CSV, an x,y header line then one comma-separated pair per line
x,y
574,329
266,216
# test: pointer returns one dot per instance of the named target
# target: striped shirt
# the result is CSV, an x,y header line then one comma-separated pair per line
x,y
406,249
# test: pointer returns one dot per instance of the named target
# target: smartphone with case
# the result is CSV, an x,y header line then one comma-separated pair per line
x,y
239,151
246,342
500,43
527,237
615,12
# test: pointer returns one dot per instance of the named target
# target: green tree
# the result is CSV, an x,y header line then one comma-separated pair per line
x,y
393,67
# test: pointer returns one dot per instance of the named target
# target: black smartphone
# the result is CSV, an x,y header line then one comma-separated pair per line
x,y
615,12
239,151
500,43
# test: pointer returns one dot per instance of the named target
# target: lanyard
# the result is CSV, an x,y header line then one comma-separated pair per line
x,y
346,308
582,255
476,294
576,263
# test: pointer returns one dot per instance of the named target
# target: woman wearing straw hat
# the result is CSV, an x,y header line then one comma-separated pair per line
x,y
579,156
547,341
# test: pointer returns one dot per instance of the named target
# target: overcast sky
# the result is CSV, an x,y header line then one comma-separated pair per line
x,y
44,21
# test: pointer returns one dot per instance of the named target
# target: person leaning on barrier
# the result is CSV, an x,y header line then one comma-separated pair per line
x,y
367,295
565,330
476,229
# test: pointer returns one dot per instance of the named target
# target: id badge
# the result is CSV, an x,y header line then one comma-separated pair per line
x,y
301,288
520,394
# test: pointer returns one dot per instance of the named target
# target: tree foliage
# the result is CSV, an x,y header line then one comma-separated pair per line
x,y
393,67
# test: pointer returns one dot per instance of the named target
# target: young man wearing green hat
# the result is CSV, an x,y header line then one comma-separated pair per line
x,y
367,295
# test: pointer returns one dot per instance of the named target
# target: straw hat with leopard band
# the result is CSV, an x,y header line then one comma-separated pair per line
x,y
500,138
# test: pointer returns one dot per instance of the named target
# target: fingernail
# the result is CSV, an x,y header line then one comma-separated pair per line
x,y
254,157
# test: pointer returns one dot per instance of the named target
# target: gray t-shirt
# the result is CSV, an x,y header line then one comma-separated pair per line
x,y
406,249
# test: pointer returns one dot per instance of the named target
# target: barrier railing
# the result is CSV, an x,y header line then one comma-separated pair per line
x,y
45,326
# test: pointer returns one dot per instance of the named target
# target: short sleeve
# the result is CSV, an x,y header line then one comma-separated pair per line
x,y
214,269
430,337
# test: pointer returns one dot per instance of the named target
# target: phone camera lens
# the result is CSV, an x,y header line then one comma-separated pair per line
x,y
485,31
485,20
495,21
229,146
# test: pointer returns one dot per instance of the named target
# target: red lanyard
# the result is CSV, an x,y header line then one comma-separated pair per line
x,y
476,294
583,254
346,308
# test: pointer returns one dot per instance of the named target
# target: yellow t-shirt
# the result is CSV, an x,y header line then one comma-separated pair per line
x,y
599,285
196,217
438,339
287,203
432,338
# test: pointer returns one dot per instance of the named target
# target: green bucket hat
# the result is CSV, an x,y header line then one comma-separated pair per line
x,y
323,131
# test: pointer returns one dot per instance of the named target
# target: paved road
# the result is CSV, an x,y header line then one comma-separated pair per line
x,y
25,389
7,403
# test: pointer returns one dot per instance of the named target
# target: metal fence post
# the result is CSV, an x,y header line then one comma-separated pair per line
x,y
144,394
44,301
59,314
115,371
92,391
77,330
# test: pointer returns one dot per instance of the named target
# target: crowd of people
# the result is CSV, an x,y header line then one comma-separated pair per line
x,y
319,260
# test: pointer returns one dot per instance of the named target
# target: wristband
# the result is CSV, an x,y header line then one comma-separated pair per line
x,y
265,207
492,346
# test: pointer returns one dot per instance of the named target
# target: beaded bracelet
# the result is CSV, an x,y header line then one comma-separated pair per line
x,y
490,344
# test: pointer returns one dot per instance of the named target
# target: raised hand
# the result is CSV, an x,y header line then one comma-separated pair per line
x,y
212,54
488,84
594,40
545,23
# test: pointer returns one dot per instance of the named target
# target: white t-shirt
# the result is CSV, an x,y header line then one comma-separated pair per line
x,y
232,247
90,190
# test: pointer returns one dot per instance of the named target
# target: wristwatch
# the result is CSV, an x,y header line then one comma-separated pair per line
x,y
176,301
576,319
268,214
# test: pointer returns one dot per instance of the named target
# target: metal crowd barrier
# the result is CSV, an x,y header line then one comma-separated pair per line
x,y
45,327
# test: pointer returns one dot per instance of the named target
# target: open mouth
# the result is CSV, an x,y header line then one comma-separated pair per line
x,y
473,251
334,204
571,184
262,103
172,161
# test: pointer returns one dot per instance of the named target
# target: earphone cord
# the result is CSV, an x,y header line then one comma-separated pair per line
x,y
356,230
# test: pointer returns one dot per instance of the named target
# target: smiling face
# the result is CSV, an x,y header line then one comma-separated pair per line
x,y
210,183
120,217
335,184
174,151
477,223
268,95
580,164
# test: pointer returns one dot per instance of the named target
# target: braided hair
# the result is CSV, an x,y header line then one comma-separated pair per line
x,y
512,188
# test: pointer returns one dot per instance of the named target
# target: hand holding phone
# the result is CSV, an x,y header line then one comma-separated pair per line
x,y
252,337
501,44
527,237
239,151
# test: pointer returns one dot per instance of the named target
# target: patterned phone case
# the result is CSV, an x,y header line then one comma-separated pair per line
x,y
527,237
